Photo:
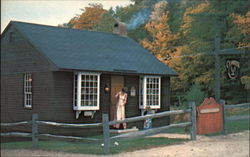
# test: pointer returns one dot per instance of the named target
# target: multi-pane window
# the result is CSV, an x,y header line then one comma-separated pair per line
x,y
86,91
28,90
150,92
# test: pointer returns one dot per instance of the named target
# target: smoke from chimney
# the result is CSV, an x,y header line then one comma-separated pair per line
x,y
139,18
142,16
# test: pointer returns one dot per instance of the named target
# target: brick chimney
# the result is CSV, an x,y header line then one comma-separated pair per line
x,y
120,28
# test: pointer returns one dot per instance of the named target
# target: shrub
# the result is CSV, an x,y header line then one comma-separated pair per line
x,y
195,94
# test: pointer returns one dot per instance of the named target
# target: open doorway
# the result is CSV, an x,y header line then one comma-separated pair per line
x,y
117,83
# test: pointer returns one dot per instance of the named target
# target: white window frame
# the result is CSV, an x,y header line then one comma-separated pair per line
x,y
77,92
27,89
143,92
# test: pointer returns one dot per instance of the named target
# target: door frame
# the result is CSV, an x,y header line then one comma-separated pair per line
x,y
116,85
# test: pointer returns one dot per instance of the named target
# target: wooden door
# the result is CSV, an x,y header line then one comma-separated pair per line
x,y
117,83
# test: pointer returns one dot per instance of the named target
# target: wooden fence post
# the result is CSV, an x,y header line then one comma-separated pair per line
x,y
34,131
193,120
106,134
224,131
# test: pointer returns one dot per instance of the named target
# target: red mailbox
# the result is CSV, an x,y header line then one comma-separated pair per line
x,y
209,117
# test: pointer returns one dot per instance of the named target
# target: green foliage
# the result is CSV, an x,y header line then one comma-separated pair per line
x,y
106,23
138,34
198,30
76,147
195,94
238,126
124,14
90,17
65,25
234,127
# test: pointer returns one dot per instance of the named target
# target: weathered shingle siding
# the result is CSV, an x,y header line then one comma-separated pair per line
x,y
17,58
132,106
104,96
12,99
43,94
63,99
165,102
61,109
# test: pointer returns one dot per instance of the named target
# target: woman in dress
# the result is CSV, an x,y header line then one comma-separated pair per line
x,y
121,98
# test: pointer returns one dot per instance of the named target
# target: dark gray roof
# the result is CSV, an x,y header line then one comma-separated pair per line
x,y
91,51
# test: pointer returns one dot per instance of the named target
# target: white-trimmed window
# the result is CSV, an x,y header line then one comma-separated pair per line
x,y
27,86
150,92
86,91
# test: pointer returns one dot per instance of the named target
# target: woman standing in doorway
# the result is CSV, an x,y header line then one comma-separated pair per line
x,y
121,98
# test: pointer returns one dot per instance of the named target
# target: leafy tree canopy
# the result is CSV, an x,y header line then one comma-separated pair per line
x,y
89,18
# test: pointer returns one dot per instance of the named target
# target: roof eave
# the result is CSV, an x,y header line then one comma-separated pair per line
x,y
114,72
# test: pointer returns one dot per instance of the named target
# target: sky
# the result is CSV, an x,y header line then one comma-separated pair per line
x,y
48,12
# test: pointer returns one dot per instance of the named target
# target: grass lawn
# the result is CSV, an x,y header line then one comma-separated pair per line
x,y
76,147
238,125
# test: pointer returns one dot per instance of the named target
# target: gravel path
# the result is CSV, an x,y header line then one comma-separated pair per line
x,y
233,145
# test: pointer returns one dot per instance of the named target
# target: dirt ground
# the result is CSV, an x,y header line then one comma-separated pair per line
x,y
233,145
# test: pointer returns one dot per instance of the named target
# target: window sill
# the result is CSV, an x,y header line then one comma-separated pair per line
x,y
87,108
151,107
28,107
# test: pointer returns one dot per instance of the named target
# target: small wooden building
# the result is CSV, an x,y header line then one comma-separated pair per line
x,y
69,75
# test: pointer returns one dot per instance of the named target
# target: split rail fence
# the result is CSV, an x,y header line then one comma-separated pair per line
x,y
35,135
230,118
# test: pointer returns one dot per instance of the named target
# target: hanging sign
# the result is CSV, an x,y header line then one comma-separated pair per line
x,y
233,68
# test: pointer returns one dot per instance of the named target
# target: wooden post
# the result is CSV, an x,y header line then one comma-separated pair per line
x,y
106,134
217,68
193,120
34,131
224,131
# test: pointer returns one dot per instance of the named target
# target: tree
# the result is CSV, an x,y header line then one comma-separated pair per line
x,y
189,62
196,33
65,25
195,94
170,47
90,17
198,30
234,28
243,23
106,22
161,38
